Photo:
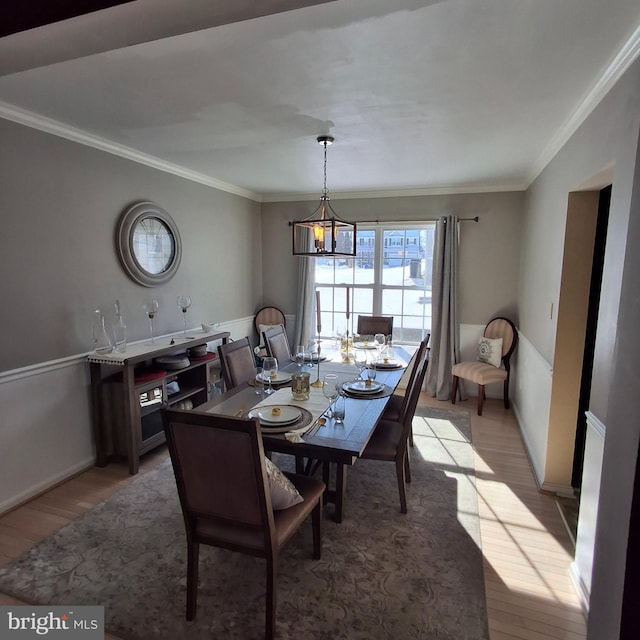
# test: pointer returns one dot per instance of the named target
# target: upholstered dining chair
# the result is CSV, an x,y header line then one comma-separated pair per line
x,y
389,439
495,348
226,492
277,344
237,362
370,325
265,319
397,402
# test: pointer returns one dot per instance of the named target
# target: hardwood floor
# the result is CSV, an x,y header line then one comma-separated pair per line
x,y
527,550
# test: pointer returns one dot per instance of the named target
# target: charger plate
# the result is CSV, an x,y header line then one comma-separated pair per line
x,y
306,418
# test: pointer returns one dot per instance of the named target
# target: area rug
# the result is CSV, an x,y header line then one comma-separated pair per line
x,y
382,574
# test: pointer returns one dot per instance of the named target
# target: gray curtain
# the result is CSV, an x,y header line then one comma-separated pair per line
x,y
305,309
445,340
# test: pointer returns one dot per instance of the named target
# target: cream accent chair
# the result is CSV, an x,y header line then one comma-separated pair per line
x,y
483,373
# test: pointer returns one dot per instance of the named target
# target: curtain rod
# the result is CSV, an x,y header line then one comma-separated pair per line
x,y
394,222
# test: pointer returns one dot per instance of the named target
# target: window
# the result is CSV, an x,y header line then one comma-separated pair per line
x,y
390,275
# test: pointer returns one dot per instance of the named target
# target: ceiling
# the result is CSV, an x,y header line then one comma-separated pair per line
x,y
421,96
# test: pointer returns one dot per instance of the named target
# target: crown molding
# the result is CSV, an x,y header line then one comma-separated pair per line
x,y
622,61
397,193
48,125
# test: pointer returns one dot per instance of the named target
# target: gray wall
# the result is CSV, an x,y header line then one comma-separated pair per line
x,y
60,202
608,138
489,249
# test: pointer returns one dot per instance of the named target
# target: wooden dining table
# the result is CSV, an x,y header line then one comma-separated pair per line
x,y
332,443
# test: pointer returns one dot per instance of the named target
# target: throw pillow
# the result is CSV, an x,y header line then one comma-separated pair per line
x,y
283,493
490,351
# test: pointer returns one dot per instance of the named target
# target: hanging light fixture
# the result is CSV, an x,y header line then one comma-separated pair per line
x,y
324,233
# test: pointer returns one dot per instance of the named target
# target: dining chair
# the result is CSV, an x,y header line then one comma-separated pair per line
x,y
237,362
389,439
224,489
370,325
495,348
266,318
277,344
397,402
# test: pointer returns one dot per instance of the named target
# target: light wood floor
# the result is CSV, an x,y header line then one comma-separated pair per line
x,y
527,551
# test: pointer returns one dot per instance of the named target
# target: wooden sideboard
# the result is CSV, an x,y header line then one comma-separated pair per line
x,y
128,392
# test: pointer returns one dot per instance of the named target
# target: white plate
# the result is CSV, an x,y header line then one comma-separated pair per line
x,y
279,378
288,415
359,386
365,345
392,364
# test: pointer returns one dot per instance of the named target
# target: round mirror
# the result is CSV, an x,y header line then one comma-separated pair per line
x,y
148,244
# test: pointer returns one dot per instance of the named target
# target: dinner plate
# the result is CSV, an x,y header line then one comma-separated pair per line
x,y
360,387
288,415
279,378
365,345
315,358
387,365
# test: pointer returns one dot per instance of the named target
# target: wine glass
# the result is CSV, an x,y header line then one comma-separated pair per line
x,y
330,391
151,308
380,339
269,372
360,358
184,302
301,354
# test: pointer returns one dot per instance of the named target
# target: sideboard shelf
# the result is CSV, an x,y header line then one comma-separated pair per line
x,y
128,393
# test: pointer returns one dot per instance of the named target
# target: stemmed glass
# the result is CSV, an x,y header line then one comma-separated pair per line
x,y
151,308
330,391
301,355
269,372
360,358
184,302
380,339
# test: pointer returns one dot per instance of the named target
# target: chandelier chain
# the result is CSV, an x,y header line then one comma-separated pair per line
x,y
324,189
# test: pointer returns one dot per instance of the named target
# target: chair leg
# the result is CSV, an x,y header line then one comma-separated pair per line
x,y
454,389
506,393
411,436
480,398
193,550
270,603
316,526
407,466
401,485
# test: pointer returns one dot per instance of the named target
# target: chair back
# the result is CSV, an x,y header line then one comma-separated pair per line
x,y
268,316
277,344
414,364
237,362
503,328
370,325
412,395
218,462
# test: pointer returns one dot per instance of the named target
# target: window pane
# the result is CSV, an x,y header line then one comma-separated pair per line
x,y
396,283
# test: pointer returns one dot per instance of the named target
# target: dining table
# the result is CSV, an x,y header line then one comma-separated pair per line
x,y
315,437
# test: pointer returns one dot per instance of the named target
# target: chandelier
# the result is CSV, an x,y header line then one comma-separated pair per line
x,y
324,233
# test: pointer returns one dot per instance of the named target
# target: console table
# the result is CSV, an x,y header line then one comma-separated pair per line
x,y
127,394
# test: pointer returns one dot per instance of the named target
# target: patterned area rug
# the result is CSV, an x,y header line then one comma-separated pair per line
x,y
382,574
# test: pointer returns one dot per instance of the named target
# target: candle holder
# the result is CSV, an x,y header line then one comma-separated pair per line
x,y
317,382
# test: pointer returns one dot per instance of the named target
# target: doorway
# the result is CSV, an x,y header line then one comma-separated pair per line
x,y
604,202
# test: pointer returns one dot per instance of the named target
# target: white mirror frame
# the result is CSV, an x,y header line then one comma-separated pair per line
x,y
125,246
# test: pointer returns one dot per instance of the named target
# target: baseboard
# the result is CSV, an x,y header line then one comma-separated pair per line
x,y
33,492
581,589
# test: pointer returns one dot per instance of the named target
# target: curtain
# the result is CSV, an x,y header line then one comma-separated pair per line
x,y
304,311
445,340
